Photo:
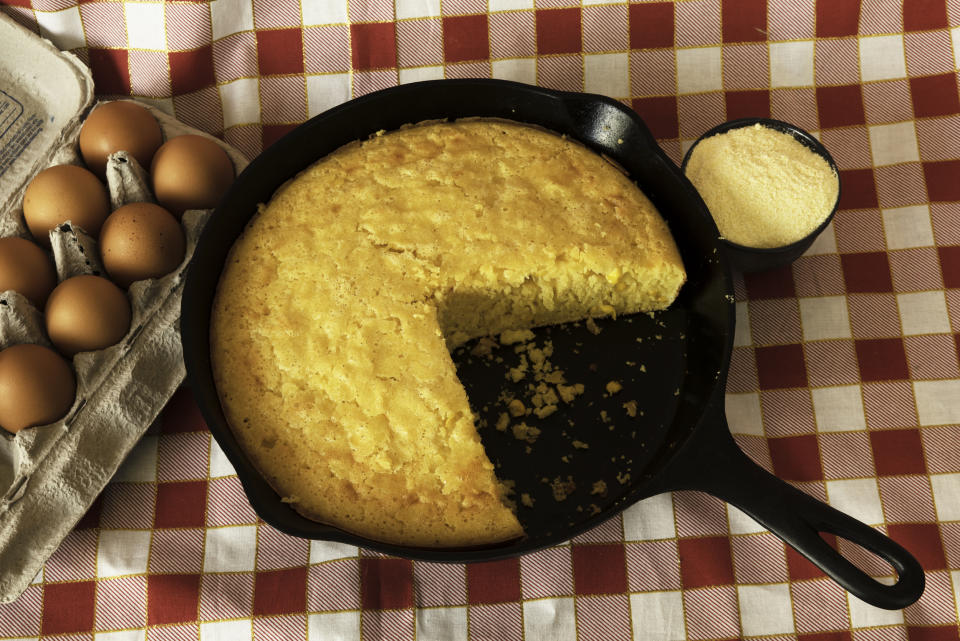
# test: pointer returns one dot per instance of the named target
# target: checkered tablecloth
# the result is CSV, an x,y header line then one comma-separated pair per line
x,y
844,380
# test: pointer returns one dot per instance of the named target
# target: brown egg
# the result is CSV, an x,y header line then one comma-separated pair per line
x,y
141,241
62,193
86,313
190,172
36,387
119,126
26,269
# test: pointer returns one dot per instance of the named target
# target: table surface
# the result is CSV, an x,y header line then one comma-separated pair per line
x,y
844,379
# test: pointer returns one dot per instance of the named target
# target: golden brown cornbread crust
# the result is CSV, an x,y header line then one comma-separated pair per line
x,y
339,303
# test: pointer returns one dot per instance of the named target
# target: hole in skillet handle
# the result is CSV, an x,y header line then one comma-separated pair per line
x,y
757,259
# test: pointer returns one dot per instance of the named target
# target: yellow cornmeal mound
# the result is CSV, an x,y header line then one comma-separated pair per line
x,y
340,302
763,187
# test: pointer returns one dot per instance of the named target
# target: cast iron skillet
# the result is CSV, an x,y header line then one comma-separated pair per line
x,y
673,364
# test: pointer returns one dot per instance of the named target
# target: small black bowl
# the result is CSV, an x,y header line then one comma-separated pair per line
x,y
758,259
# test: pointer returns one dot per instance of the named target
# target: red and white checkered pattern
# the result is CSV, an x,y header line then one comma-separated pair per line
x,y
844,381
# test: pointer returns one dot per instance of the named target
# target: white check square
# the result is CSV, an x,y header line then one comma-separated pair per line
x,y
839,409
122,635
508,5
62,28
893,144
241,630
442,624
946,490
230,549
860,498
791,64
882,58
743,413
955,36
650,519
219,463
551,619
321,551
417,9
937,401
607,74
908,227
145,25
122,552
141,463
516,69
228,17
864,615
923,313
657,616
765,609
241,103
316,12
741,332
741,523
824,317
327,91
416,74
335,626
699,70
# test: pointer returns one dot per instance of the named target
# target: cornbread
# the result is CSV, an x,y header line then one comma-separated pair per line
x,y
339,305
763,187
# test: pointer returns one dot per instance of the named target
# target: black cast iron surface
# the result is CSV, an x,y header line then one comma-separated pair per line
x,y
680,442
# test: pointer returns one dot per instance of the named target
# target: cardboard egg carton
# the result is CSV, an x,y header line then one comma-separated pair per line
x,y
50,475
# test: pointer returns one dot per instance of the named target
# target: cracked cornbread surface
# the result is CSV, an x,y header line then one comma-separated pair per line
x,y
339,304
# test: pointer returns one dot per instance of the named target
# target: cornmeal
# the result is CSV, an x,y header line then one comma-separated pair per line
x,y
763,187
339,305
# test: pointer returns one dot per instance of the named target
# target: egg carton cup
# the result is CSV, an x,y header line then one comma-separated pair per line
x,y
50,475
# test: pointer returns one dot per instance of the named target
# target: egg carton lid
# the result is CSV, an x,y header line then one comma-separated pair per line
x,y
43,95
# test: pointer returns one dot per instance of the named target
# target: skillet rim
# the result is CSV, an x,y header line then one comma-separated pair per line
x,y
584,107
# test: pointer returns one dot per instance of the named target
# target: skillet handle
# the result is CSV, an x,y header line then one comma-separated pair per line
x,y
716,465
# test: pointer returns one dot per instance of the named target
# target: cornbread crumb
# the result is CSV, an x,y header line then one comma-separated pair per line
x,y
631,407
524,432
512,336
593,327
503,422
763,187
613,387
516,408
580,445
562,488
526,500
599,487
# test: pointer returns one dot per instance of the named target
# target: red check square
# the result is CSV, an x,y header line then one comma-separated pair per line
x,y
172,598
191,70
796,458
775,283
181,504
386,583
935,95
493,582
659,114
744,20
897,452
111,73
280,51
838,18
280,592
941,177
923,541
882,359
558,31
924,15
867,273
781,366
858,189
599,569
840,106
705,561
932,633
748,104
68,607
465,38
373,45
181,414
843,635
950,265
651,25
